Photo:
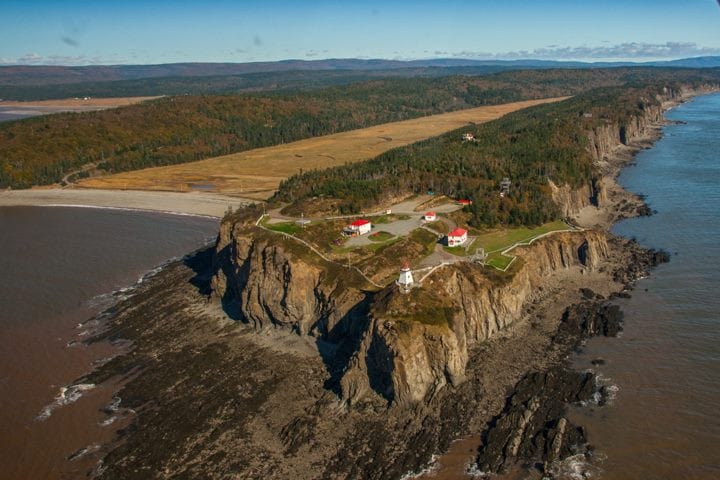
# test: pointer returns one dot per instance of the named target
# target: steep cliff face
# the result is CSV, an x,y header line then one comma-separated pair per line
x,y
403,346
569,200
603,140
265,282
406,355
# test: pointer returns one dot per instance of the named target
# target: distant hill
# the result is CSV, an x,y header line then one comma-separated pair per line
x,y
18,75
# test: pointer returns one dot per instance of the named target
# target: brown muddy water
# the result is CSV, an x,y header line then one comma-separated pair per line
x,y
58,268
665,367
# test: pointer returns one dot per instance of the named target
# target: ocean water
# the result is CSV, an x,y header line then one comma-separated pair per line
x,y
57,267
665,419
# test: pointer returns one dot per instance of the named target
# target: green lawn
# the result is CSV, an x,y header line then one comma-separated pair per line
x,y
498,240
380,236
291,228
459,251
374,247
499,261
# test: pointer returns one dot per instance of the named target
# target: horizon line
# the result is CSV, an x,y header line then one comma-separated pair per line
x,y
381,59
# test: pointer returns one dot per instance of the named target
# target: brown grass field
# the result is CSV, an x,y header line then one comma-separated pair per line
x,y
257,173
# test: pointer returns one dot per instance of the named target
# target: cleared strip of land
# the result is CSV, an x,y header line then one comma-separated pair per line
x,y
257,173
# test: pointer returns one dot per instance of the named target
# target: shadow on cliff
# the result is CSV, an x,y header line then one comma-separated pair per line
x,y
229,300
353,337
338,344
201,263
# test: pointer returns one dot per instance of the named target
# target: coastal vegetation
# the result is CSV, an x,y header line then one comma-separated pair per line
x,y
185,128
257,173
532,147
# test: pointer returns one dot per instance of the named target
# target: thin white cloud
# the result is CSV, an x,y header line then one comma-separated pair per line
x,y
624,51
36,59
30,59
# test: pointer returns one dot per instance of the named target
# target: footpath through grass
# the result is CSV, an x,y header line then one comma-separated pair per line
x,y
497,241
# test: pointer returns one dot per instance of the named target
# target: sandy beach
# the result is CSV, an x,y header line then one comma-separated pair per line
x,y
191,203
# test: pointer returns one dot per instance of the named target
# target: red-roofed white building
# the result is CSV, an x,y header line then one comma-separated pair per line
x,y
464,202
359,227
430,217
457,237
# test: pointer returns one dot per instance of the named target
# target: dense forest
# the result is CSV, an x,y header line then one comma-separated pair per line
x,y
531,146
42,150
298,80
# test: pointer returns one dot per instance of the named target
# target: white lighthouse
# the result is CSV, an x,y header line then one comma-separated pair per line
x,y
405,280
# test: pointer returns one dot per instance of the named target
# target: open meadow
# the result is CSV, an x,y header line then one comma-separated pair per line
x,y
257,173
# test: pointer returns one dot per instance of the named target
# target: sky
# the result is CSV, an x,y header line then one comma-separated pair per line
x,y
83,32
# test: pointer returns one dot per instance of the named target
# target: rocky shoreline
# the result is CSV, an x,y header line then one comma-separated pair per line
x,y
211,397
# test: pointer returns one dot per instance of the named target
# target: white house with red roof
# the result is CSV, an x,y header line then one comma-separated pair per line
x,y
430,217
464,202
457,237
358,227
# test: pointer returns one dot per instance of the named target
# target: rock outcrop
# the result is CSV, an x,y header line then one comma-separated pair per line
x,y
534,426
267,281
418,343
403,347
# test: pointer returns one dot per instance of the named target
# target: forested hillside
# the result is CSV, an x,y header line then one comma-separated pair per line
x,y
532,146
178,129
225,84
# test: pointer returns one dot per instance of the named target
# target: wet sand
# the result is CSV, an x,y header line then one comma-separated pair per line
x,y
12,110
191,203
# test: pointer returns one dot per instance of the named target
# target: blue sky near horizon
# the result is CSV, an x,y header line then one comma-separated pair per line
x,y
79,32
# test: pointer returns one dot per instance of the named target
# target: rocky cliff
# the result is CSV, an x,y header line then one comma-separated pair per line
x,y
401,346
604,137
268,281
417,343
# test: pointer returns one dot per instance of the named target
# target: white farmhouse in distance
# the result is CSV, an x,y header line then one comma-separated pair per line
x,y
457,237
430,217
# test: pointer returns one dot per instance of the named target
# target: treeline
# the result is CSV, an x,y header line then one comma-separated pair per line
x,y
179,129
532,146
